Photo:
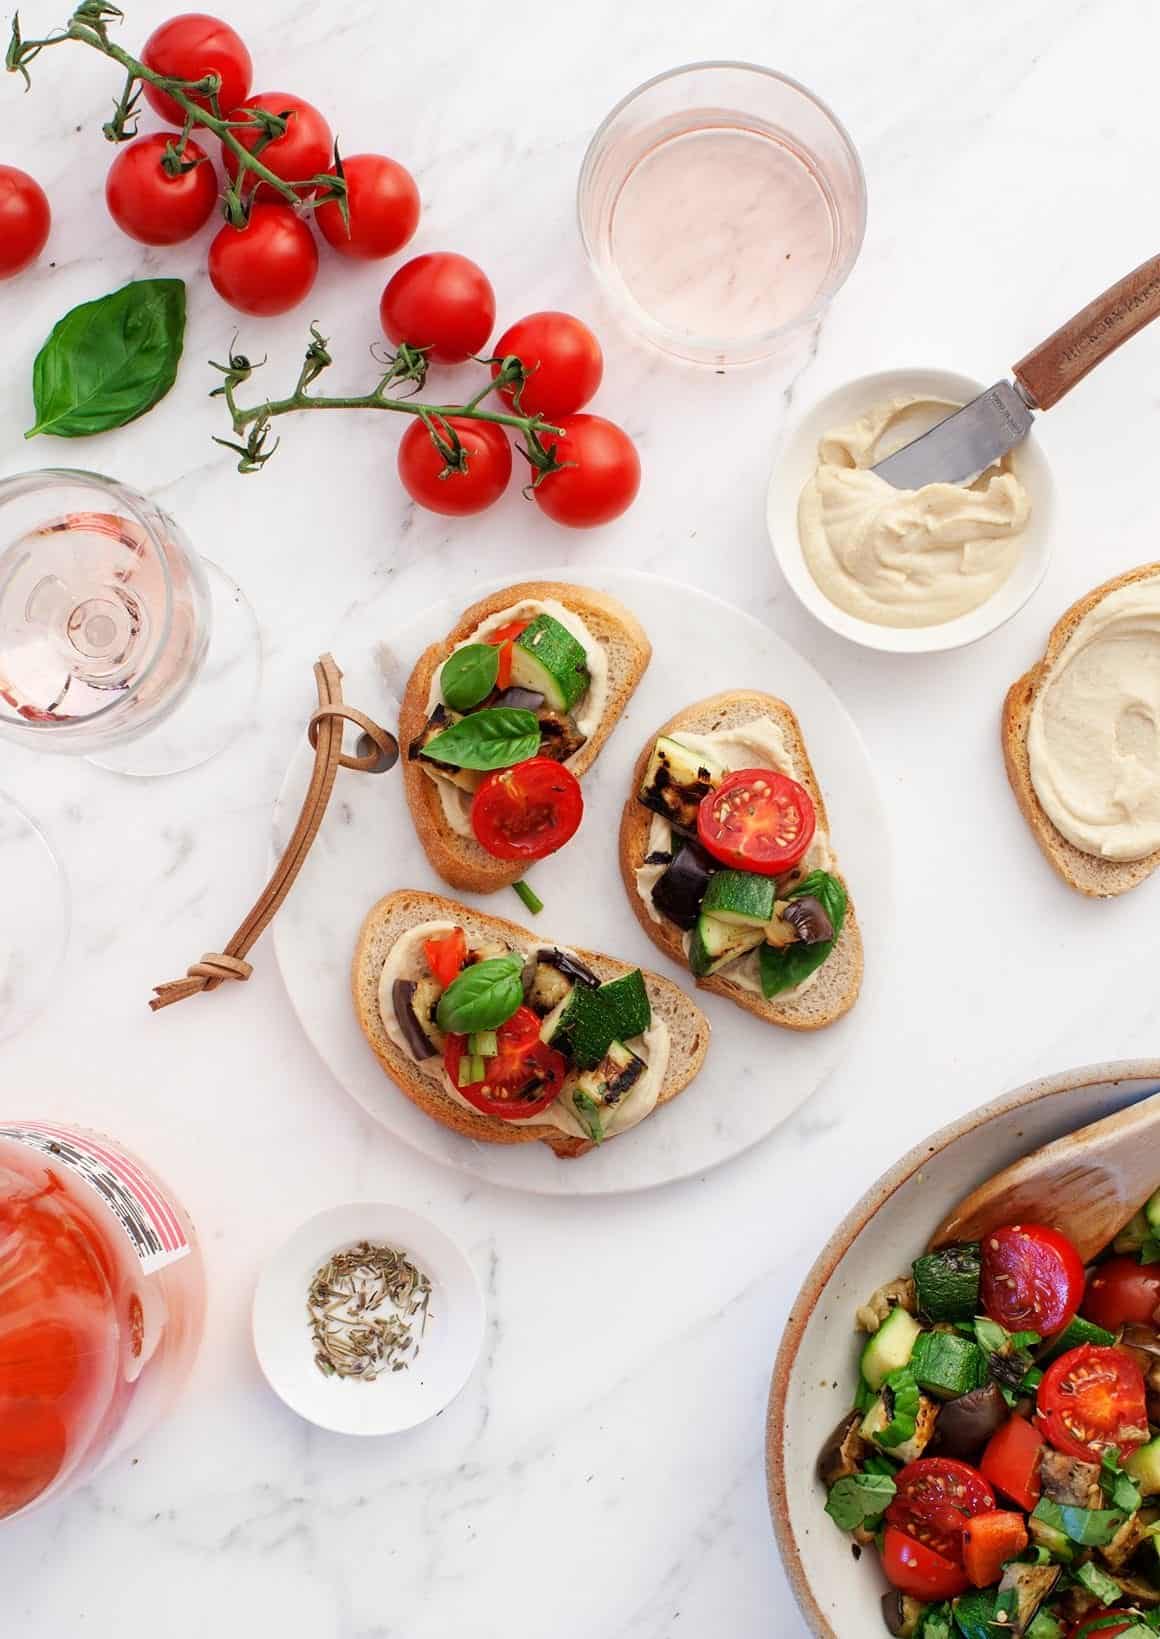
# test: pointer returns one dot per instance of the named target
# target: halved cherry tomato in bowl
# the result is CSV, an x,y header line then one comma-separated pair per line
x,y
527,811
757,820
1032,1279
1090,1399
523,1077
1011,1462
935,1497
504,638
446,955
1123,1292
918,1571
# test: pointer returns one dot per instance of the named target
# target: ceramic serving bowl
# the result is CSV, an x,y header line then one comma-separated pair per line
x,y
816,1369
797,463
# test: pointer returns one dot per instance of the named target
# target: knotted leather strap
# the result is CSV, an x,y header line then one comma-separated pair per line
x,y
324,732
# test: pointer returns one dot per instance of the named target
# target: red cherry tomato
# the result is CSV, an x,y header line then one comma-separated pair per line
x,y
1123,1292
303,150
268,266
383,203
528,811
189,47
521,1080
601,478
1011,1462
1092,1398
442,303
504,638
1093,1627
757,820
563,355
489,467
918,1571
1032,1279
446,955
935,1497
25,220
150,205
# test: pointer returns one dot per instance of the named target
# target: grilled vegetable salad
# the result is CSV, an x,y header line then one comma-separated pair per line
x,y
525,1037
1003,1453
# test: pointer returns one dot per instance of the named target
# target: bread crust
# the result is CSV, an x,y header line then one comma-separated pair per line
x,y
405,908
1086,873
797,1013
461,861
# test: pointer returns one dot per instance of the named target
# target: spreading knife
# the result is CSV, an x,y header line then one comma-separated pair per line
x,y
958,448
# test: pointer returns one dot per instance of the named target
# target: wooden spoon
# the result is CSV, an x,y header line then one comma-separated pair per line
x,y
1088,1184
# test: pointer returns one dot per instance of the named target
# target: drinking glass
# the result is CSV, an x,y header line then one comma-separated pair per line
x,y
721,206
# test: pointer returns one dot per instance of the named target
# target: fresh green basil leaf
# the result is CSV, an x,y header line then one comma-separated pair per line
x,y
1119,1488
495,737
483,997
1091,1528
859,1499
901,1397
469,675
936,1622
1105,1588
784,967
108,361
975,1613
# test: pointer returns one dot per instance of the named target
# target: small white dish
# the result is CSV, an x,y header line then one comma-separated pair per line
x,y
797,463
397,1400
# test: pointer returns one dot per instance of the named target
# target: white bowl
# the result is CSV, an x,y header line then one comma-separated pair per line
x,y
797,463
817,1365
397,1400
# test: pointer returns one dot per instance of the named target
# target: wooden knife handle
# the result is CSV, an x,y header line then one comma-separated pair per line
x,y
1054,367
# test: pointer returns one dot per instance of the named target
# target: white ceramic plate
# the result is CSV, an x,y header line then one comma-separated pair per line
x,y
754,1075
797,462
397,1400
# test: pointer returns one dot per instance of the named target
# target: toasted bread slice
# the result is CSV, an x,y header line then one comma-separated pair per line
x,y
461,861
1087,873
835,988
394,915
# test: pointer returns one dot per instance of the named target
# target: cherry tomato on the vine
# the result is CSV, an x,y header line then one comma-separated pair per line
x,y
189,47
303,150
489,467
602,478
150,205
441,302
564,359
25,220
268,266
383,203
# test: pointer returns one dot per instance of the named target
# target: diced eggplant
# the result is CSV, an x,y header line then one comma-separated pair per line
x,y
843,1451
1138,1591
548,988
807,917
570,966
678,891
966,1423
560,738
403,998
1032,1584
486,952
902,1614
519,699
1131,1535
1069,1481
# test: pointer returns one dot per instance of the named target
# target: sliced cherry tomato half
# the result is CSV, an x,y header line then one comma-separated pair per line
x,y
1090,1399
1011,1462
504,638
1032,1279
1123,1292
527,811
934,1499
446,955
757,820
918,1571
521,1080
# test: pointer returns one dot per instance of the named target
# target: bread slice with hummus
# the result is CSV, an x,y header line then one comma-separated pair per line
x,y
744,729
636,1075
617,652
1081,738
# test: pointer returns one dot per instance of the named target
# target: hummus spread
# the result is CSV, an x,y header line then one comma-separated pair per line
x,y
759,743
1093,740
405,961
906,557
455,798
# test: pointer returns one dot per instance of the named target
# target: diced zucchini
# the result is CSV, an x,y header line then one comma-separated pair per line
x,y
739,897
1078,1332
715,943
604,1087
1044,1626
901,1420
586,1024
676,780
890,1347
547,658
947,1365
947,1282
1047,1536
1105,1588
626,1001
1144,1467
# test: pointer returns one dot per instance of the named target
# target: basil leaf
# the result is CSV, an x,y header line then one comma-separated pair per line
x,y
1091,1528
1118,1487
496,737
483,997
108,361
859,1499
1105,1588
469,675
975,1613
786,966
936,1623
901,1398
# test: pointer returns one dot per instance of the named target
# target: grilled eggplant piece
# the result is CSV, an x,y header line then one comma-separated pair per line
x,y
517,700
415,1002
678,891
439,720
966,1423
1131,1535
570,966
675,782
807,917
1032,1584
1068,1481
559,736
843,1451
548,988
901,1614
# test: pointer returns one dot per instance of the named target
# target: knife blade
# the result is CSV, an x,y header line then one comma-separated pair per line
x,y
966,443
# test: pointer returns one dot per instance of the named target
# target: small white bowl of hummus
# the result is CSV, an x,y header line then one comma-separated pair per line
x,y
905,571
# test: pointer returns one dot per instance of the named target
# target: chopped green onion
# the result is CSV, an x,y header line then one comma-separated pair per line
x,y
529,897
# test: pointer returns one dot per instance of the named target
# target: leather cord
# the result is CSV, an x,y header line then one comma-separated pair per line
x,y
324,731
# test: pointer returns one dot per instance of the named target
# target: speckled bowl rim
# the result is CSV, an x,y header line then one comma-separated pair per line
x,y
834,1251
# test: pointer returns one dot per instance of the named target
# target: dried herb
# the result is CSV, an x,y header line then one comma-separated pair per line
x,y
364,1305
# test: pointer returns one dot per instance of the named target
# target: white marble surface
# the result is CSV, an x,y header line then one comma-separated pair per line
x,y
602,1474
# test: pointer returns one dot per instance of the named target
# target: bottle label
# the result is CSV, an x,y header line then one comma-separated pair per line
x,y
152,1226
